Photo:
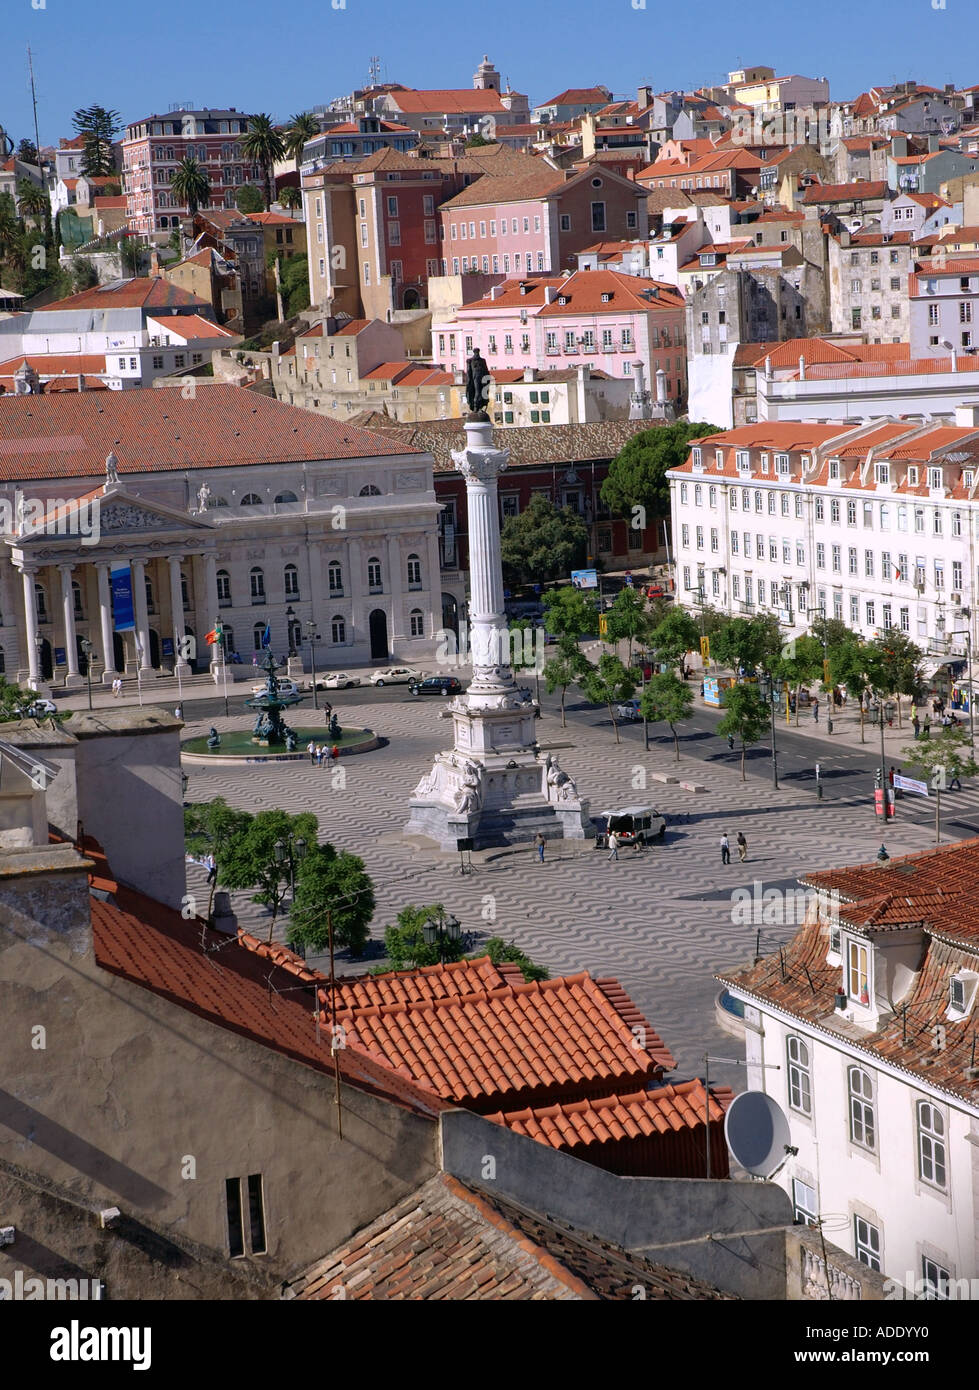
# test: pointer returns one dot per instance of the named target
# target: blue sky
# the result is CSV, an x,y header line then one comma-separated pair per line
x,y
257,55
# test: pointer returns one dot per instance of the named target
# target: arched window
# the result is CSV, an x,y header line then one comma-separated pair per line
x,y
335,577
41,599
76,594
251,499
370,491
292,581
258,634
863,1124
287,497
414,572
338,631
800,1083
224,588
416,621
374,575
185,591
257,579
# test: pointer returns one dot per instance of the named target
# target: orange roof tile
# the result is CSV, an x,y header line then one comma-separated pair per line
x,y
584,290
149,293
843,192
191,326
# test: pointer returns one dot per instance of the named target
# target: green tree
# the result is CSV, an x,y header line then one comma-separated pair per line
x,y
290,197
568,612
608,683
500,951
98,128
745,717
249,199
568,666
130,251
27,152
747,643
295,285
84,276
637,476
667,700
302,128
627,620
32,201
477,141
263,143
13,698
894,666
209,828
328,880
249,858
674,636
848,665
543,542
405,945
944,756
800,664
190,184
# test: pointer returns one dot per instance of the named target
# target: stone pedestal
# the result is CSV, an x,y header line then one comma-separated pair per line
x,y
494,786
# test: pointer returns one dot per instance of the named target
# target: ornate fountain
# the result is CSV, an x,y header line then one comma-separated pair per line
x,y
270,730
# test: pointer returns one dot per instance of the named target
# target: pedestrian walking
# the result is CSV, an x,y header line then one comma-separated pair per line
x,y
334,752
540,842
212,869
311,750
815,709
725,849
916,725
926,727
613,846
327,711
742,847
955,785
730,742
178,712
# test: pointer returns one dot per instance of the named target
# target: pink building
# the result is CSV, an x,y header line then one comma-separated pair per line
x,y
600,317
155,145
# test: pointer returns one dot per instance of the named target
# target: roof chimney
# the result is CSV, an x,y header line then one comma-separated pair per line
x,y
155,270
550,294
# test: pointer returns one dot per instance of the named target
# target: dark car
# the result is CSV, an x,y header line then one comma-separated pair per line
x,y
436,685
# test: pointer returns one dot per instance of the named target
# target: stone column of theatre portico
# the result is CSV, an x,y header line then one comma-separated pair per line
x,y
494,786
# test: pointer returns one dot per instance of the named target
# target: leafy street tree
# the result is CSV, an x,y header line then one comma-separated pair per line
x,y
249,199
942,758
848,665
84,276
627,620
894,666
800,664
263,143
676,635
249,857
302,128
608,683
476,141
27,152
747,643
543,542
570,613
500,951
405,944
328,879
191,185
210,827
637,477
667,700
98,128
745,717
567,667
291,197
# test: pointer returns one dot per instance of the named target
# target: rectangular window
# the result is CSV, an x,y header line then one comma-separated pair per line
x,y
935,1280
236,1235
598,217
858,973
256,1214
837,554
799,1078
868,564
867,1243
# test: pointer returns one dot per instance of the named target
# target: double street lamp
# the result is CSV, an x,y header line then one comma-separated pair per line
x,y
89,651
770,690
440,930
290,852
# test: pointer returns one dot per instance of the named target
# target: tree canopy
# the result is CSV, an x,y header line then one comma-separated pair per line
x,y
746,717
570,613
674,636
249,856
98,127
608,683
263,143
566,667
747,643
637,476
405,945
249,199
668,700
543,542
334,880
191,185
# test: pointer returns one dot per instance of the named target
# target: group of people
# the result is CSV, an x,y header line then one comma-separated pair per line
x,y
741,843
117,687
320,754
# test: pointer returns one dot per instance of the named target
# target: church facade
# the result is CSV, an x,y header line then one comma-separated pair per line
x,y
132,524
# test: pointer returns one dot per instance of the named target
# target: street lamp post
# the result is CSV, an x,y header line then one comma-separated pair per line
x,y
439,930
89,652
312,636
291,852
771,690
966,632
290,619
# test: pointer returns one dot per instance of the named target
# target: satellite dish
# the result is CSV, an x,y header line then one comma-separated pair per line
x,y
757,1133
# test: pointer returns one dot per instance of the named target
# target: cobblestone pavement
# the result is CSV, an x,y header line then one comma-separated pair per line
x,y
660,921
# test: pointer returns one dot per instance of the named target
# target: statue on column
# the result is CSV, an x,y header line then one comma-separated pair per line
x,y
477,385
111,470
203,493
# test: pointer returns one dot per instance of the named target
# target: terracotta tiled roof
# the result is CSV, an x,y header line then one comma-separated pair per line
x,y
449,1241
506,188
578,96
56,364
352,128
274,219
460,100
348,330
511,1045
843,192
159,431
788,352
150,293
408,374
191,326
523,294
429,982
110,200
529,445
627,293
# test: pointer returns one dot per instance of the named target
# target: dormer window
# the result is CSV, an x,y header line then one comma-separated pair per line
x,y
710,258
606,298
912,477
764,463
743,461
834,956
882,473
782,464
834,469
857,978
961,994
697,457
719,458
934,478
968,477
562,299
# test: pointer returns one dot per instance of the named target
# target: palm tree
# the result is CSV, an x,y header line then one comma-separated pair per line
x,y
190,184
263,143
300,129
32,201
10,233
291,196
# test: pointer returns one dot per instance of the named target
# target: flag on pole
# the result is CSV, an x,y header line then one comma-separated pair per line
x,y
267,636
214,636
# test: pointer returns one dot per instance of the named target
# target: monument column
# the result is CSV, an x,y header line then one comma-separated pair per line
x,y
142,617
30,612
481,465
177,611
396,562
68,612
105,615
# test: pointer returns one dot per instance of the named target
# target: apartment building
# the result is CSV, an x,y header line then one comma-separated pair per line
x,y
944,305
155,145
868,284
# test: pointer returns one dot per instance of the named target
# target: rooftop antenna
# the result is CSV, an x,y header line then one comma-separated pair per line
x,y
374,70
37,138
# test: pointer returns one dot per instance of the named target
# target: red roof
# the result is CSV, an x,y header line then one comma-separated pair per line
x,y
584,290
274,219
149,293
844,192
460,100
190,326
350,329
579,96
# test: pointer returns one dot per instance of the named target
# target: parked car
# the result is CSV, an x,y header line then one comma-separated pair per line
x,y
38,709
286,687
435,685
655,591
395,675
339,680
634,825
628,709
524,608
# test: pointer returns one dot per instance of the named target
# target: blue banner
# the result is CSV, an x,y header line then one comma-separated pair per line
x,y
122,598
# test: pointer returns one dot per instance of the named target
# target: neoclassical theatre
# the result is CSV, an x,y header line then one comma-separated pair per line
x,y
226,506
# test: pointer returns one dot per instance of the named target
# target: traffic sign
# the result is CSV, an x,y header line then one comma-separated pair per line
x,y
705,648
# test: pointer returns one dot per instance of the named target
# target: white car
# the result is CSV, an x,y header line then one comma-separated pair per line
x,y
394,675
39,709
285,688
339,680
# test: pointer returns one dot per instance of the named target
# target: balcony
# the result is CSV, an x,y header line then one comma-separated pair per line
x,y
554,351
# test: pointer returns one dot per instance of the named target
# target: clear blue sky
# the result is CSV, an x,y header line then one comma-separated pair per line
x,y
261,56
